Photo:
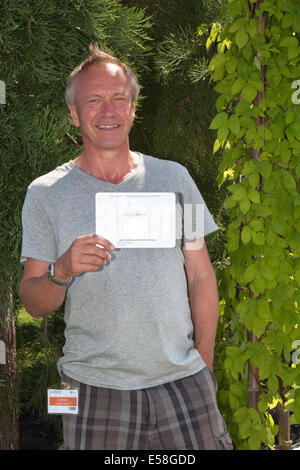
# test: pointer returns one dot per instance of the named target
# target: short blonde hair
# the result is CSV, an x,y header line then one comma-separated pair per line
x,y
101,57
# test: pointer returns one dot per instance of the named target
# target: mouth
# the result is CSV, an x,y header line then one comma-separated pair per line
x,y
107,126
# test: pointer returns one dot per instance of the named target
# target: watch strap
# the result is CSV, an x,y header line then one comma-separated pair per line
x,y
51,277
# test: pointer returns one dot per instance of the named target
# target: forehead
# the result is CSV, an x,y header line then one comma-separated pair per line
x,y
102,77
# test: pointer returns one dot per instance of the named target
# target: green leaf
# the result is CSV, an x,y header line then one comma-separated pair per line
x,y
254,180
234,124
285,156
293,52
289,42
241,38
239,192
233,241
249,93
219,120
271,238
254,196
249,167
287,180
265,169
260,283
222,133
296,22
245,429
237,86
246,234
250,273
297,276
216,146
258,238
278,227
267,272
245,205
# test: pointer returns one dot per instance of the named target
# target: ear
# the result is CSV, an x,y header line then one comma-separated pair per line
x,y
74,115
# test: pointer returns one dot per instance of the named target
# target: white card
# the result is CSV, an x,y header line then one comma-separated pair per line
x,y
137,220
62,401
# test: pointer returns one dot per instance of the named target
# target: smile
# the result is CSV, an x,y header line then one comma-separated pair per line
x,y
113,126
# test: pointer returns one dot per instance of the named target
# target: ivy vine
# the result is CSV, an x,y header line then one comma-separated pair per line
x,y
256,70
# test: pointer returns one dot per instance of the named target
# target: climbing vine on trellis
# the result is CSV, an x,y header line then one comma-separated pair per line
x,y
256,70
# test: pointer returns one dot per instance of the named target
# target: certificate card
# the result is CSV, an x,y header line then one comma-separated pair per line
x,y
137,220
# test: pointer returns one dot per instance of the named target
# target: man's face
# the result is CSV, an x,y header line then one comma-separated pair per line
x,y
104,109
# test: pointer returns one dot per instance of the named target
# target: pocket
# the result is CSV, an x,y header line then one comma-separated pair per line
x,y
213,378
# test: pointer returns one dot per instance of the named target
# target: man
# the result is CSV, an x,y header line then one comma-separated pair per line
x,y
140,322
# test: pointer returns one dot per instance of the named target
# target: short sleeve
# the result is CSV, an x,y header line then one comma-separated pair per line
x,y
197,220
38,238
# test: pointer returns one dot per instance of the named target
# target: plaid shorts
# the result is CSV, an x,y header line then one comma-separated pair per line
x,y
182,414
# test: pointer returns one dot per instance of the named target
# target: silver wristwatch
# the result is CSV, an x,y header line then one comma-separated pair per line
x,y
50,276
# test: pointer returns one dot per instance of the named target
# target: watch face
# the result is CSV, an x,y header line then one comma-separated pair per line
x,y
51,269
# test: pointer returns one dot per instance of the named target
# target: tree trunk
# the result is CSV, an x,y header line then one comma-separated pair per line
x,y
9,420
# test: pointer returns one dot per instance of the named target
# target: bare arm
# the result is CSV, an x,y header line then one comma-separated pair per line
x,y
203,294
41,296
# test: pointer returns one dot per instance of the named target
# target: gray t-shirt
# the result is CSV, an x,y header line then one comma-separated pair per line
x,y
128,325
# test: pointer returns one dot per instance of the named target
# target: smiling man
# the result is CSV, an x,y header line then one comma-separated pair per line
x,y
140,322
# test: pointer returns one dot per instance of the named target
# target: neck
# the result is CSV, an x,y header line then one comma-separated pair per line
x,y
109,166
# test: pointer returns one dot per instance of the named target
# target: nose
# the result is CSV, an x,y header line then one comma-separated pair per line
x,y
108,108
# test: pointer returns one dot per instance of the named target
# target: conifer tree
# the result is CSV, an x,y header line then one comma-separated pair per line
x,y
40,44
179,101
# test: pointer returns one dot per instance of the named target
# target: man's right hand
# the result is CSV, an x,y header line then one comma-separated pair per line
x,y
41,296
84,255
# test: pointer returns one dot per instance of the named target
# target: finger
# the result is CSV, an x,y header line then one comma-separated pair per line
x,y
93,260
96,250
97,240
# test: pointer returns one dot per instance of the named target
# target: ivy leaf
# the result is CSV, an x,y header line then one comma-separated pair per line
x,y
278,227
237,86
289,42
265,169
249,93
245,429
268,273
239,192
245,205
241,38
233,241
254,195
234,124
293,52
246,234
217,145
296,22
258,238
254,180
271,238
250,273
219,120
260,284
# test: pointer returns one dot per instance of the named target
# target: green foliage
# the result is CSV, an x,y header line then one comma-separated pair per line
x,y
39,348
179,100
41,42
257,126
